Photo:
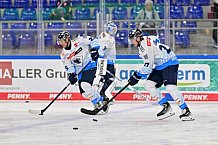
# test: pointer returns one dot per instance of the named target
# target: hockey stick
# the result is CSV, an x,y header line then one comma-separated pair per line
x,y
130,87
40,112
95,111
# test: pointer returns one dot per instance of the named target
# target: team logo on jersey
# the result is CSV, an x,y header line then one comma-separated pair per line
x,y
78,60
146,56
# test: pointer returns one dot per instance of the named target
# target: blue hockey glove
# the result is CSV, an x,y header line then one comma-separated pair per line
x,y
134,79
72,78
94,54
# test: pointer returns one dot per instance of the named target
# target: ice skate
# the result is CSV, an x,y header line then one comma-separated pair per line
x,y
165,112
102,103
106,108
97,106
186,115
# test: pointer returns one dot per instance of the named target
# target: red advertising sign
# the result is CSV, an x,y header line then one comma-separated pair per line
x,y
5,73
121,97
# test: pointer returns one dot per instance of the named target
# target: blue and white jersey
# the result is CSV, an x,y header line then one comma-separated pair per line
x,y
78,57
155,55
105,44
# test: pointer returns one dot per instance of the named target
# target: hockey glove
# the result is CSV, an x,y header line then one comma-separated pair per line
x,y
94,54
134,79
72,78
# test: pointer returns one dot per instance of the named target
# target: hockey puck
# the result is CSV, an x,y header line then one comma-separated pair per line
x,y
75,128
27,101
95,120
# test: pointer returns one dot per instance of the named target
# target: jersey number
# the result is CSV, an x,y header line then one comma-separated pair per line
x,y
162,47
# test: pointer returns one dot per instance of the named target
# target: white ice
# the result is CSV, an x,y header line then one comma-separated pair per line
x,y
127,123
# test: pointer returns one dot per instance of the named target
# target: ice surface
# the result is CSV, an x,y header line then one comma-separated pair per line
x,y
127,123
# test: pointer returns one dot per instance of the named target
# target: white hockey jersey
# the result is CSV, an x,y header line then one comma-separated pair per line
x,y
155,55
75,59
107,45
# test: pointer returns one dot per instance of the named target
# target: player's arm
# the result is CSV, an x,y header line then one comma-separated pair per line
x,y
148,57
101,51
142,73
106,44
94,49
71,70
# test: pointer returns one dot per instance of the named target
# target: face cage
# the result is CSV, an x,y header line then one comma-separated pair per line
x,y
111,32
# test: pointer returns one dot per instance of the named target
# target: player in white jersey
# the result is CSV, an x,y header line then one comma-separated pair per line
x,y
78,63
105,47
161,66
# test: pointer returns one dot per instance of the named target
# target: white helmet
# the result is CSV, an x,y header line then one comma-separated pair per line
x,y
111,28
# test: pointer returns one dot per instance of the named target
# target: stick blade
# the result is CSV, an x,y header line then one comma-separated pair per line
x,y
33,111
89,112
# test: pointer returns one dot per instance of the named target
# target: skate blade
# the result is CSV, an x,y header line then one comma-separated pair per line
x,y
32,111
101,112
169,114
187,118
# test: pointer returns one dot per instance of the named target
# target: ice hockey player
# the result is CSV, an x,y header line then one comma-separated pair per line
x,y
79,66
104,47
161,66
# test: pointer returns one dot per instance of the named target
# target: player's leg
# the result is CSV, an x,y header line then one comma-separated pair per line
x,y
108,83
170,75
87,92
109,90
153,83
105,99
86,89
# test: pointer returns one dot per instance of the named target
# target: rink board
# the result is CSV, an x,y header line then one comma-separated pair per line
x,y
43,77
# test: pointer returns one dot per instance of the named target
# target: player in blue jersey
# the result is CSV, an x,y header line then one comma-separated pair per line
x,y
161,67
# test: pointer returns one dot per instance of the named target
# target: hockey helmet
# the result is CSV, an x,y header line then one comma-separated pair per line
x,y
63,35
111,28
134,33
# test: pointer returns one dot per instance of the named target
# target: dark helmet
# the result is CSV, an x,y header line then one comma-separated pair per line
x,y
63,35
134,33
